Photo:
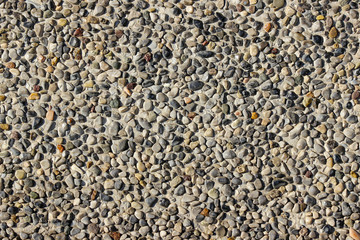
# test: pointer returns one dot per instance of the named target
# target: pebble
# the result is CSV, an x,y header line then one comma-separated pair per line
x,y
20,174
333,33
278,3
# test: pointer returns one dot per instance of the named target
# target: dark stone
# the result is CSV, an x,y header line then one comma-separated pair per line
x,y
176,11
177,140
124,145
179,190
124,22
166,52
199,218
175,104
157,56
346,210
151,201
221,17
223,180
245,65
206,54
164,202
12,210
74,42
198,24
310,200
318,39
305,72
37,122
279,182
196,85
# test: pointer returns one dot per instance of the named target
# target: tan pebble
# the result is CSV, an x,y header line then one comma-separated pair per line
x,y
88,84
254,50
54,61
10,65
289,11
4,126
50,69
62,22
50,115
333,33
92,19
34,96
321,128
307,101
2,98
187,100
209,133
299,37
41,58
339,188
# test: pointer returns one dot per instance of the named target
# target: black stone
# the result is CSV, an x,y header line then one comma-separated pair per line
x,y
198,24
318,39
279,182
196,85
292,96
199,48
177,140
305,72
167,53
221,17
164,202
37,122
242,33
206,54
124,145
124,22
245,65
151,201
12,210
176,11
199,218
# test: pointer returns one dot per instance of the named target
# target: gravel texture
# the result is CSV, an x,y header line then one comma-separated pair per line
x,y
133,119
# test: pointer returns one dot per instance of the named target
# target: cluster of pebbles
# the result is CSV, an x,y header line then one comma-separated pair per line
x,y
179,119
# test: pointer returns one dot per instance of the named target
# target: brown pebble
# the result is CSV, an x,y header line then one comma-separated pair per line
x,y
115,235
267,27
131,86
355,95
10,65
50,115
191,115
239,7
205,212
15,135
354,234
147,57
36,88
78,32
333,33
119,33
187,100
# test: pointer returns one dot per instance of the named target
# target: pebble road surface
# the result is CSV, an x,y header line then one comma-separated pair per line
x,y
179,119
